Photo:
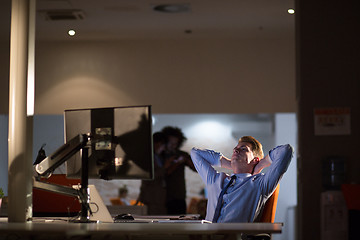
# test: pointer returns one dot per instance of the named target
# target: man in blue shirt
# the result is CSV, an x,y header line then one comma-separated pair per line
x,y
247,193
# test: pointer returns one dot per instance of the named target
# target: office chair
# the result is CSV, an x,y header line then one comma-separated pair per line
x,y
267,215
116,201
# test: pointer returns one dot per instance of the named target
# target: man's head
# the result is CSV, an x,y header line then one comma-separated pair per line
x,y
246,154
123,191
256,146
174,138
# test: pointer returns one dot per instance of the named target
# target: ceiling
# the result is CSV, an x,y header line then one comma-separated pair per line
x,y
136,19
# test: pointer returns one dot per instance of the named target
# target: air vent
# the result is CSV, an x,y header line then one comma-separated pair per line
x,y
172,8
63,14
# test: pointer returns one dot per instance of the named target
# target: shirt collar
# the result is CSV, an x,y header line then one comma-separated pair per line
x,y
242,175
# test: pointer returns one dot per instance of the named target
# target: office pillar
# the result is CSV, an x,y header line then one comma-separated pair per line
x,y
20,165
328,86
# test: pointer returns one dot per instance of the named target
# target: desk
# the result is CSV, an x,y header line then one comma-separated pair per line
x,y
173,231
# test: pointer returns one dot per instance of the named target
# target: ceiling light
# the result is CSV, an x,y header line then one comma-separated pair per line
x,y
291,11
172,8
71,32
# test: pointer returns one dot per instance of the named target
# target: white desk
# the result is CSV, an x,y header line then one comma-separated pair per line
x,y
173,231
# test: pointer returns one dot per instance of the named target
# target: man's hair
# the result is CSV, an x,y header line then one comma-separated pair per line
x,y
159,137
256,146
175,132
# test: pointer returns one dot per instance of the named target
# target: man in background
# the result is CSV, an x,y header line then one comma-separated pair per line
x,y
153,192
175,163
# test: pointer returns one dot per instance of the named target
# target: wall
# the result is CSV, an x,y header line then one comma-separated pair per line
x,y
48,130
175,76
286,132
327,77
4,152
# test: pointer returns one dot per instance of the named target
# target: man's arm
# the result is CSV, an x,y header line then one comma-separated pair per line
x,y
280,157
263,163
203,161
175,161
187,160
225,162
171,164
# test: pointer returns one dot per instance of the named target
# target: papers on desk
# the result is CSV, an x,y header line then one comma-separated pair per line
x,y
159,221
133,221
171,219
182,221
163,219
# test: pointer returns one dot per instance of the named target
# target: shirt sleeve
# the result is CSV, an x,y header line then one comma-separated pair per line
x,y
204,160
280,157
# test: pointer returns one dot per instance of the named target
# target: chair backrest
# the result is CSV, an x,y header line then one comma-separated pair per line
x,y
268,214
116,201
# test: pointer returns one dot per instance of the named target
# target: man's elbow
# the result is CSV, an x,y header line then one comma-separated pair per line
x,y
286,148
193,152
288,152
284,152
290,149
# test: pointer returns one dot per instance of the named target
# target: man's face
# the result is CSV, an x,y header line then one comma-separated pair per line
x,y
242,154
159,147
173,144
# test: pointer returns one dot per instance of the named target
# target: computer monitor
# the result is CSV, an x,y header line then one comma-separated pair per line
x,y
120,142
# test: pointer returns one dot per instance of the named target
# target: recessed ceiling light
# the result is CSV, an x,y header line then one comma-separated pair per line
x,y
291,11
71,32
172,8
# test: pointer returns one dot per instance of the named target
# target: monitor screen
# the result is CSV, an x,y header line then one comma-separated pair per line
x,y
120,145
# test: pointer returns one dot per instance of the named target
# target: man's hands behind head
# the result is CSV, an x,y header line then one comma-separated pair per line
x,y
263,163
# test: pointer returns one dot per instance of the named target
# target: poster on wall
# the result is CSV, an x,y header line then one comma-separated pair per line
x,y
332,121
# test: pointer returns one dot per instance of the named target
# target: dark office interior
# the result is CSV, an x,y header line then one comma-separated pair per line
x,y
303,63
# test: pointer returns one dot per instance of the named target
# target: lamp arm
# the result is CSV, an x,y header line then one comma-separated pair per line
x,y
48,165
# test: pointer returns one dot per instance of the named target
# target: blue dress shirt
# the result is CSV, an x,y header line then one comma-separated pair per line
x,y
246,197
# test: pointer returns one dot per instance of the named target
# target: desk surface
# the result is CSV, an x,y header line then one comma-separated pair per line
x,y
131,229
145,228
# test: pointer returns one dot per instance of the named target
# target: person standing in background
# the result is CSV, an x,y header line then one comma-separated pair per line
x,y
153,192
175,162
123,195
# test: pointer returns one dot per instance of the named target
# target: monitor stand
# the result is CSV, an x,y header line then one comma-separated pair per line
x,y
85,204
49,164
